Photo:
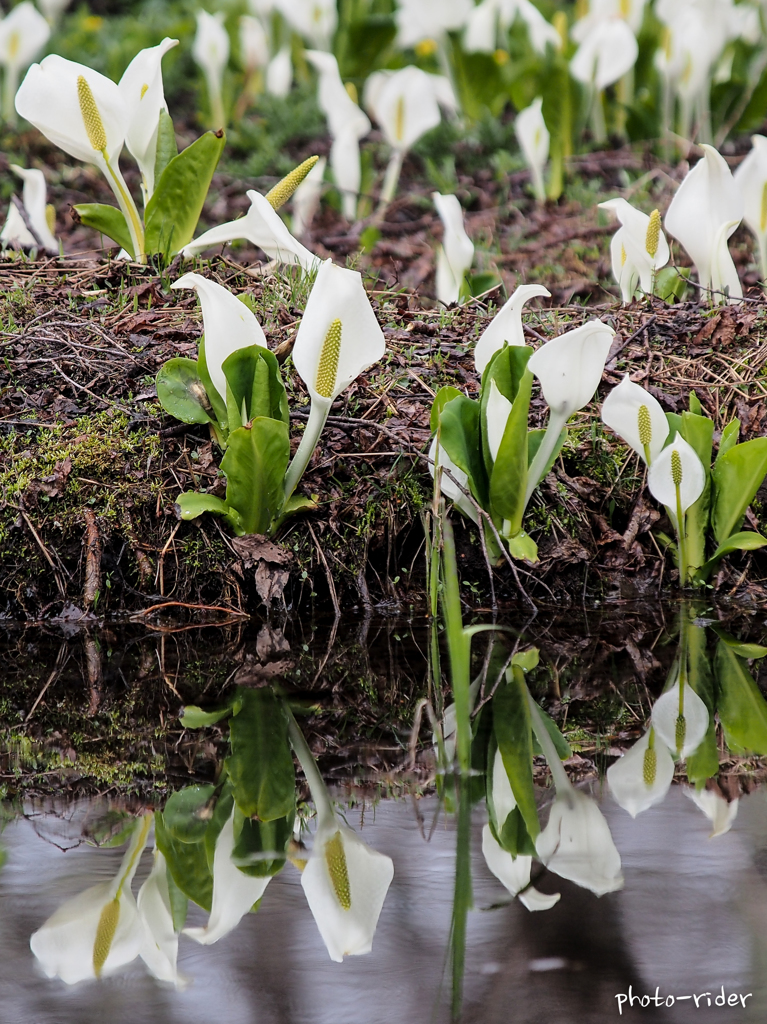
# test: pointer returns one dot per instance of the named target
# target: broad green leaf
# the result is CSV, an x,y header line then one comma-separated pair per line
x,y
698,431
443,396
741,706
695,407
743,650
527,660
298,503
167,148
108,220
459,435
512,835
173,211
562,746
179,901
513,734
506,368
746,541
508,481
217,402
260,765
255,463
259,846
703,762
729,438
188,812
187,865
737,476
193,505
522,546
222,812
181,392
670,283
675,426
255,386
195,718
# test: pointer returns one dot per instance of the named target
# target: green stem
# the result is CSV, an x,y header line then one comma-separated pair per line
x,y
558,773
318,415
9,95
598,126
128,207
647,458
134,851
391,179
314,779
458,645
537,467
462,896
680,531
218,117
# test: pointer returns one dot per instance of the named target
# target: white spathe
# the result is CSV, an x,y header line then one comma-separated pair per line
x,y
262,226
345,883
48,99
630,256
751,179
719,811
337,294
53,9
456,253
279,73
706,209
98,931
506,325
680,719
497,412
418,20
406,103
607,52
142,90
660,476
533,137
234,892
159,949
315,20
622,412
228,325
15,231
23,34
451,490
570,367
577,844
254,46
210,51
306,198
642,777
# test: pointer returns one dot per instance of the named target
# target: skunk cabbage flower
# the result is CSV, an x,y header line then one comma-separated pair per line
x,y
142,90
680,719
420,20
570,367
53,9
506,325
451,491
677,476
23,34
159,950
314,20
347,124
234,892
228,325
642,777
638,248
406,103
512,872
345,882
497,416
211,52
306,198
719,811
15,231
279,73
533,137
262,226
455,254
631,11
576,843
606,53
254,47
751,179
636,417
705,211
98,931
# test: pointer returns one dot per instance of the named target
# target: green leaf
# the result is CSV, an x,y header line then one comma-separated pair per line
x,y
108,220
255,386
729,438
443,396
513,734
459,435
670,283
675,426
508,481
187,813
522,546
194,717
193,505
741,706
181,392
179,902
216,401
746,541
260,765
255,463
562,746
743,650
527,660
187,865
173,211
167,148
513,837
703,762
259,846
298,503
737,476
506,368
698,431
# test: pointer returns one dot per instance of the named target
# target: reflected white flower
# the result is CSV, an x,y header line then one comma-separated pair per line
x,y
159,950
15,231
506,325
642,777
680,719
98,931
234,892
577,844
719,811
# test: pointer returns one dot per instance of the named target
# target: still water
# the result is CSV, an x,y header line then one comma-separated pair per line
x,y
668,906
